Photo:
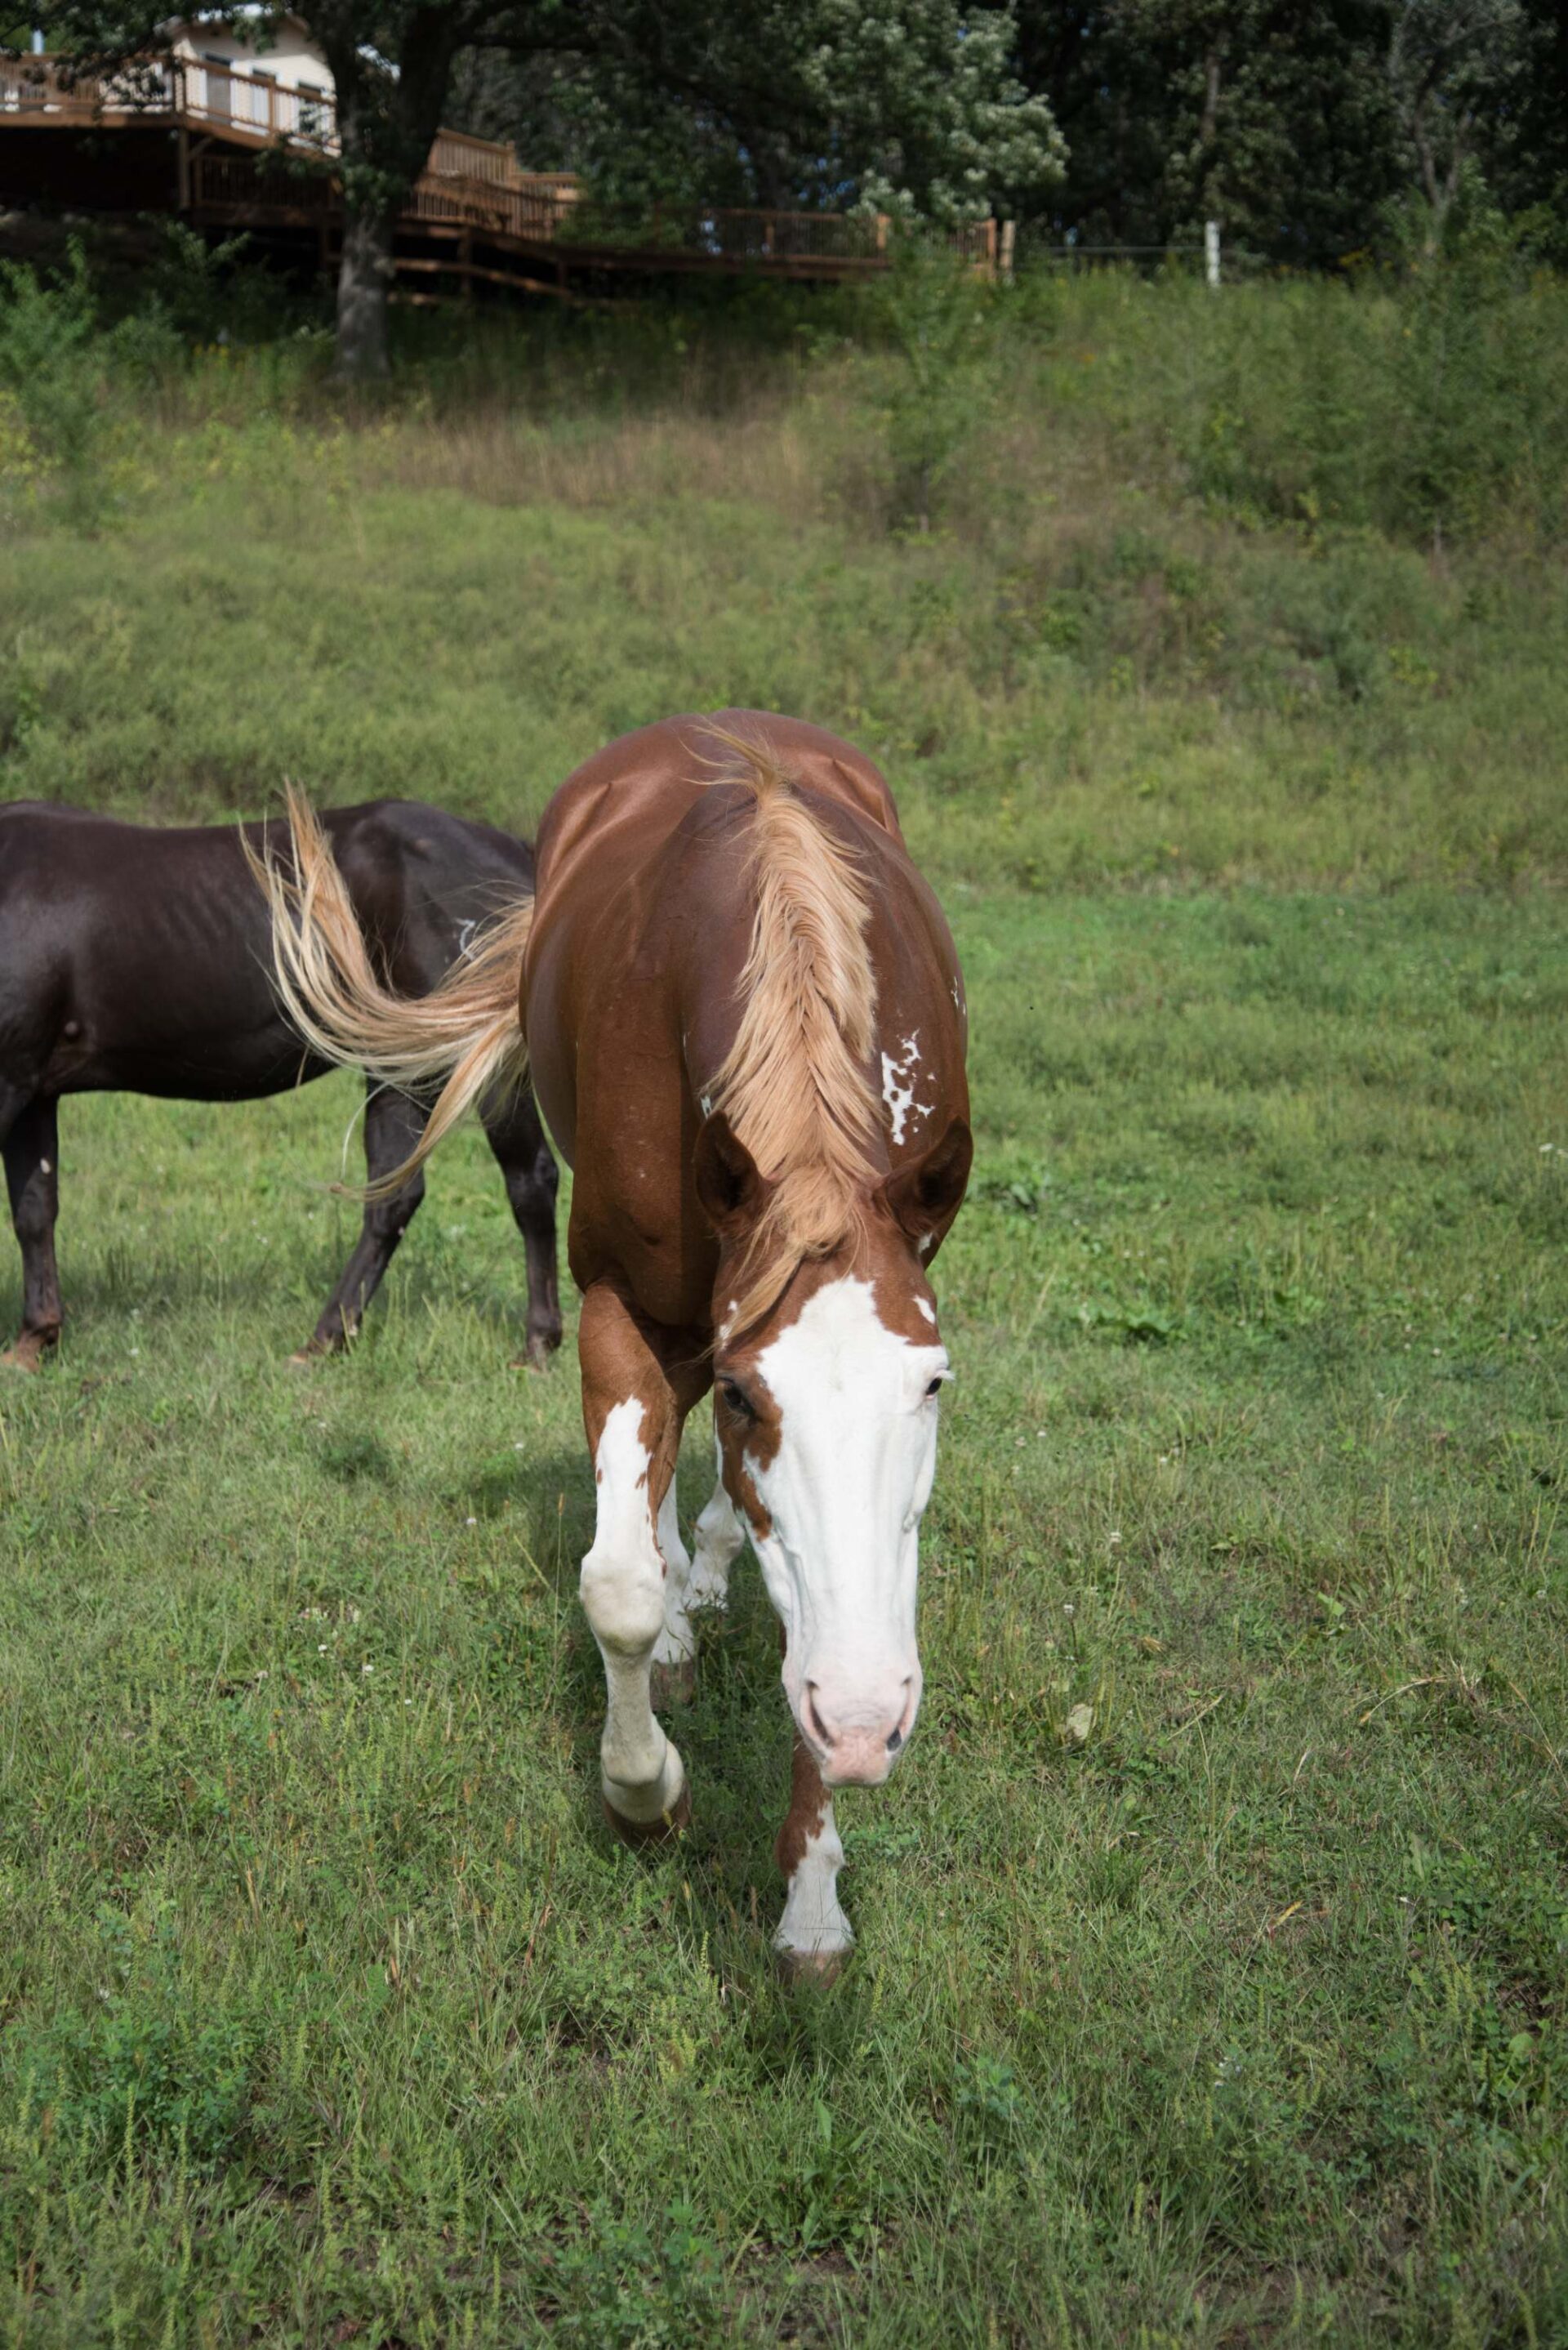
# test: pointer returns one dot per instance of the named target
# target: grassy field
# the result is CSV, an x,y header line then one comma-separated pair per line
x,y
1234,2014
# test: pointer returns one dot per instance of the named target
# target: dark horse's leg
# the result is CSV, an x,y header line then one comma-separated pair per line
x,y
525,1160
32,1177
393,1124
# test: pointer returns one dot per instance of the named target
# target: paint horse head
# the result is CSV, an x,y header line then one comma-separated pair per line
x,y
825,1408
828,1362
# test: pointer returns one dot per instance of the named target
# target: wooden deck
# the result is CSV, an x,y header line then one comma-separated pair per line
x,y
248,154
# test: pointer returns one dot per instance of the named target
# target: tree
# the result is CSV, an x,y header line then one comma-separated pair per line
x,y
1270,116
391,61
909,106
1449,61
1295,123
890,103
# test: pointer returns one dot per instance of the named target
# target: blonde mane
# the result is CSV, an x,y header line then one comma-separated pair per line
x,y
792,1084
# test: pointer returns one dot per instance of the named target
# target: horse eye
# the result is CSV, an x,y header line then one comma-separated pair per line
x,y
737,1399
935,1389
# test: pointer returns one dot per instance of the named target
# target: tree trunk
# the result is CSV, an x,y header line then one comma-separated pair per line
x,y
364,281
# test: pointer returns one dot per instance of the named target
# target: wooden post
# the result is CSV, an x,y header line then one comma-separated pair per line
x,y
1009,232
183,153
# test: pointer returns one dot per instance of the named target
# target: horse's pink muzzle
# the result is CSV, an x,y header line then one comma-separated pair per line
x,y
857,1742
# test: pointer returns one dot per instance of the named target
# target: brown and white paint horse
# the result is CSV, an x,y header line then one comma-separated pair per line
x,y
746,1026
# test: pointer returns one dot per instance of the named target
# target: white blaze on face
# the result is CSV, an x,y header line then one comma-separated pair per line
x,y
900,1078
846,1491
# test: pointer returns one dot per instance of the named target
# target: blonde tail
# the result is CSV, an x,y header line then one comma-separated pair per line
x,y
465,1036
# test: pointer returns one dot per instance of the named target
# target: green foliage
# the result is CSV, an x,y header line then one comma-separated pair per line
x,y
628,2285
932,311
52,370
1295,127
151,2064
210,293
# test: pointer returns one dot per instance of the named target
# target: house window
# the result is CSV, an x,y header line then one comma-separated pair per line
x,y
219,79
312,112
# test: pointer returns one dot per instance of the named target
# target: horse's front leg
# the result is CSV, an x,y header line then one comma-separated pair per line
x,y
32,1153
632,1412
691,1583
814,1937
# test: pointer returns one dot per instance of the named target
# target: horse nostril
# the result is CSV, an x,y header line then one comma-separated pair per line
x,y
895,1739
814,1720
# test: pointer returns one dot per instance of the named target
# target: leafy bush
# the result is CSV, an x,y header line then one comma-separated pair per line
x,y
638,2286
149,2065
52,370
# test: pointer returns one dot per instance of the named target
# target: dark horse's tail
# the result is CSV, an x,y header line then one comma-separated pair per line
x,y
465,1037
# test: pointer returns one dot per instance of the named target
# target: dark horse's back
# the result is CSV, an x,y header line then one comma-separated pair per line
x,y
139,958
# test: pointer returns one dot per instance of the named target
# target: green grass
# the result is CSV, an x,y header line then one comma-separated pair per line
x,y
329,2010
327,1999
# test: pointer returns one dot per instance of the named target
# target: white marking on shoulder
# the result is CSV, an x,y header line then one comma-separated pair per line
x,y
898,1082
926,1310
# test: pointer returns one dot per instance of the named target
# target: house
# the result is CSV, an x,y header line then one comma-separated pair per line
x,y
274,81
213,128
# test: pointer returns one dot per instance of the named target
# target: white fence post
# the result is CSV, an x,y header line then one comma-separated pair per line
x,y
1211,252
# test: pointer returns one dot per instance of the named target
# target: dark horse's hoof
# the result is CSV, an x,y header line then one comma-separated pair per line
x,y
536,1357
671,1685
29,1353
663,1830
316,1350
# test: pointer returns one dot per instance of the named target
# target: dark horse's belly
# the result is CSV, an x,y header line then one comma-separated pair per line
x,y
139,960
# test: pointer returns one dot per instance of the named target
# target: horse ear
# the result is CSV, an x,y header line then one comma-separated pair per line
x,y
729,1186
924,1197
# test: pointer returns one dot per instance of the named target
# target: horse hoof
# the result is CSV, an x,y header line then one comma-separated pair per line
x,y
536,1357
673,1684
822,1967
663,1830
28,1353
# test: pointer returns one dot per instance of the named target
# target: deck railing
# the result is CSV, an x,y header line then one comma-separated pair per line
x,y
470,185
194,91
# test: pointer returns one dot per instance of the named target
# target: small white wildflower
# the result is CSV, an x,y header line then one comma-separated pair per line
x,y
470,1522
321,1647
1068,1609
1113,1538
367,1668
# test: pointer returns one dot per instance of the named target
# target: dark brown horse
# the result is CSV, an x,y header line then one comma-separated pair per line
x,y
746,1028
138,960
